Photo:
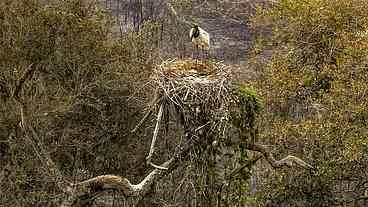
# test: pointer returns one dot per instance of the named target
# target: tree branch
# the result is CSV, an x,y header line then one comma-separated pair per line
x,y
32,136
288,161
155,100
248,164
41,152
89,187
105,182
145,117
154,138
26,75
172,10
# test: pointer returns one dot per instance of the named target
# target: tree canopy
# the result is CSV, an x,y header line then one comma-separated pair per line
x,y
314,86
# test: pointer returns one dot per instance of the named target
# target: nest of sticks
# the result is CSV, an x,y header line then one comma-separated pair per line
x,y
200,94
203,100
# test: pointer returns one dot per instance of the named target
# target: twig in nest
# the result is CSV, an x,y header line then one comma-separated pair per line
x,y
198,91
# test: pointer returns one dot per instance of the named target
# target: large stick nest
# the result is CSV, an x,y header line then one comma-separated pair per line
x,y
201,93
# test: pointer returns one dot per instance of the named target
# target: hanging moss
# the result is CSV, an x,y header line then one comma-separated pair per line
x,y
247,107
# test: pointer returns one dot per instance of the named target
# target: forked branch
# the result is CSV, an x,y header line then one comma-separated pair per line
x,y
89,187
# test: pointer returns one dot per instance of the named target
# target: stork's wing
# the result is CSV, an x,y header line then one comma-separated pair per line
x,y
203,32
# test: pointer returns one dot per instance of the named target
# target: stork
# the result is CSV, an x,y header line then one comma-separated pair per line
x,y
199,37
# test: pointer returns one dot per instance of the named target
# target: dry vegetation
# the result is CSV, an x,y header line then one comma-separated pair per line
x,y
95,114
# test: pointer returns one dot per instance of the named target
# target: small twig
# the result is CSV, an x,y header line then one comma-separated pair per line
x,y
2,172
202,126
201,5
186,95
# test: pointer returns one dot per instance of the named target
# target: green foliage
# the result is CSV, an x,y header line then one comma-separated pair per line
x,y
301,190
312,88
316,32
183,4
248,106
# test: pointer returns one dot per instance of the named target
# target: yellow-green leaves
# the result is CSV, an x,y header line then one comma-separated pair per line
x,y
314,84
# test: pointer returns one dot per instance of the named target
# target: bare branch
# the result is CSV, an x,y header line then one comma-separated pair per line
x,y
107,182
154,138
155,100
157,166
120,183
88,187
155,132
363,198
288,161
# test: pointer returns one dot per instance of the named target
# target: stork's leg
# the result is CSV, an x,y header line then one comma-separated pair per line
x,y
203,51
192,53
197,49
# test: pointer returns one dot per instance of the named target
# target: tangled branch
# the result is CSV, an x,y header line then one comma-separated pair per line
x,y
32,135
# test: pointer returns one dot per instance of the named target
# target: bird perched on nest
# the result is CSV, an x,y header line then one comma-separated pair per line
x,y
199,37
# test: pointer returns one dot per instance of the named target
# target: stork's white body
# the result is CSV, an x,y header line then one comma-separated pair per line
x,y
203,40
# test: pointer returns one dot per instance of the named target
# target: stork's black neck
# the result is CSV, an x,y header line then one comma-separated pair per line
x,y
196,32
